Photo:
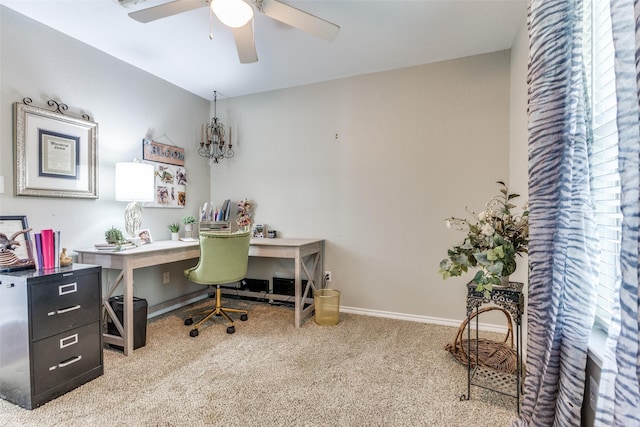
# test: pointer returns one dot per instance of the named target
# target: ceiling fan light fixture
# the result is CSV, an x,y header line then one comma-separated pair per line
x,y
232,13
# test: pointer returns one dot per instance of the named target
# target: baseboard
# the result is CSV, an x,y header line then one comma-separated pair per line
x,y
420,319
175,303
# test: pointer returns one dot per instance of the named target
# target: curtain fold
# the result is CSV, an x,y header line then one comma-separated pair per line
x,y
619,389
563,240
563,246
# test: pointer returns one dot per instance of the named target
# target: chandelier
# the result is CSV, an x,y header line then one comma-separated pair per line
x,y
213,145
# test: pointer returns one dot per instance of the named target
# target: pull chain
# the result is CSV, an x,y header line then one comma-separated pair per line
x,y
210,24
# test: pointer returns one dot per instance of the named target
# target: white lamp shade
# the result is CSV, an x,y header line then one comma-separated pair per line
x,y
232,13
134,182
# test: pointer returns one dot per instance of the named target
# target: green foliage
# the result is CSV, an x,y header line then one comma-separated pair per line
x,y
174,228
494,238
113,236
189,219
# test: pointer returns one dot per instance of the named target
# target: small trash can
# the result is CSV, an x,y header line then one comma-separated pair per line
x,y
327,305
139,320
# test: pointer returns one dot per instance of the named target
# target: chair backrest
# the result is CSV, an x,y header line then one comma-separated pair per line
x,y
224,258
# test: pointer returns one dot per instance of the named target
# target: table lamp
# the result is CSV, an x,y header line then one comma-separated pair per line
x,y
134,183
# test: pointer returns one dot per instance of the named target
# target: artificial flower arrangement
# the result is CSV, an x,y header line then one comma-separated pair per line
x,y
494,238
244,214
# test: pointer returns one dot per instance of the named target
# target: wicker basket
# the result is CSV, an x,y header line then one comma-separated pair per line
x,y
499,355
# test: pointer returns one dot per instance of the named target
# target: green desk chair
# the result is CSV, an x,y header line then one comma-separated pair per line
x,y
223,259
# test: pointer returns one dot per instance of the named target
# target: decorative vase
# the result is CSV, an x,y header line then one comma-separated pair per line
x,y
175,236
188,229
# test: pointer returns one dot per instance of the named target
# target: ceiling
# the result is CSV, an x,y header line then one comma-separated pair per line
x,y
375,35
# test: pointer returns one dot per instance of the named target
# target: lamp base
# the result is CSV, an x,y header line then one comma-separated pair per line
x,y
132,218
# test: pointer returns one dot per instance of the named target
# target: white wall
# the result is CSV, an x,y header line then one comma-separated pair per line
x,y
374,164
518,147
127,104
413,147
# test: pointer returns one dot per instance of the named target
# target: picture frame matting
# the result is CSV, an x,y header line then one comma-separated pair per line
x,y
55,154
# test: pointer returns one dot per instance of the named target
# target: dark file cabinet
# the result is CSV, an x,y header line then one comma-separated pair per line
x,y
50,332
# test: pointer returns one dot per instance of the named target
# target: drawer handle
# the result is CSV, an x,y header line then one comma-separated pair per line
x,y
69,362
68,341
68,288
64,310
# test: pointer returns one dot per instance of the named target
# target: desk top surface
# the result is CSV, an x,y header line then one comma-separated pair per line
x,y
168,245
289,242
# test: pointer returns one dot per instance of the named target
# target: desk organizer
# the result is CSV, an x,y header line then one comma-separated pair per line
x,y
214,226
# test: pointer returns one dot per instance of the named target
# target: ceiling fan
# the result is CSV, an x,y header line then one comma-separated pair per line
x,y
242,24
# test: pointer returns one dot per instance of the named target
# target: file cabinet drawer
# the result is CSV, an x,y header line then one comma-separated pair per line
x,y
50,332
64,356
63,305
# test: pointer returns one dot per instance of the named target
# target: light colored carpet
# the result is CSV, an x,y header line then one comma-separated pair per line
x,y
365,371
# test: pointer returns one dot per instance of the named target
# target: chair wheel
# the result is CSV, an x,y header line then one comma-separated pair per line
x,y
188,321
244,317
231,329
193,333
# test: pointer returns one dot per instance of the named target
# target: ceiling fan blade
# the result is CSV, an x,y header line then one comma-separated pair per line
x,y
245,43
299,19
166,9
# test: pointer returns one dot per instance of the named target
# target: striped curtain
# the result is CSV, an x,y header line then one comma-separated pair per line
x,y
619,390
562,248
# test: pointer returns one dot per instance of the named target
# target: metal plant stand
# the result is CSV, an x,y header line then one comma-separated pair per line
x,y
510,298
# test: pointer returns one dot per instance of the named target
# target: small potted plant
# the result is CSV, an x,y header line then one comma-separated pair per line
x,y
174,228
188,222
113,236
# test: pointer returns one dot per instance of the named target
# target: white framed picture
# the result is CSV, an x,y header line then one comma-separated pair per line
x,y
145,236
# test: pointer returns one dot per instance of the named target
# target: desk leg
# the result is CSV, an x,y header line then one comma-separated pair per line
x,y
301,295
127,314
111,287
297,290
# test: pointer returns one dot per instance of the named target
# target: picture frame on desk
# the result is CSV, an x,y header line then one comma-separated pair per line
x,y
64,148
258,231
145,236
16,252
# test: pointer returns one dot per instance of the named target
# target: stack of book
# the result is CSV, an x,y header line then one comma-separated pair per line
x,y
114,246
47,244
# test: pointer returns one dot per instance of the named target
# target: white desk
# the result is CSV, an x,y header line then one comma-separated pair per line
x,y
167,251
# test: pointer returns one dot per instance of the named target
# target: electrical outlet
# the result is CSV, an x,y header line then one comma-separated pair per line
x,y
166,277
327,276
